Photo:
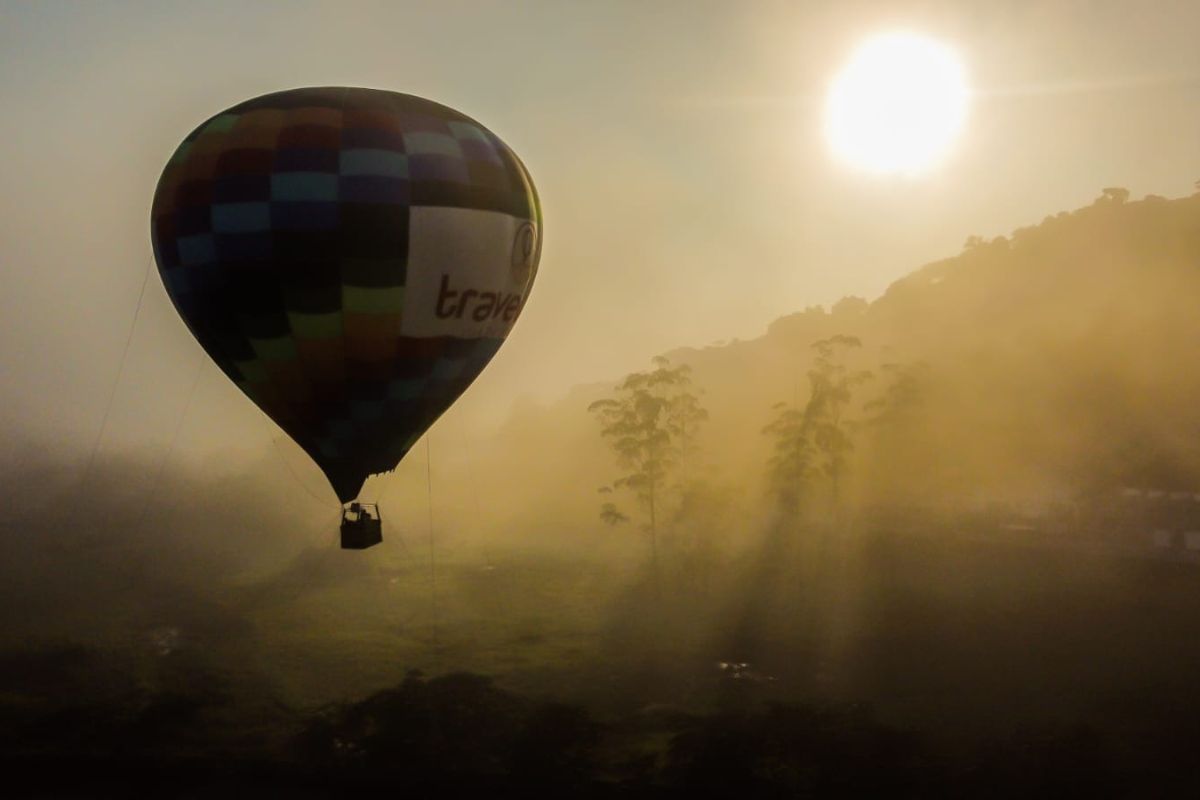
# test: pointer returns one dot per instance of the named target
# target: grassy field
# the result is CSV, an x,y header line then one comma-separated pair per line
x,y
988,652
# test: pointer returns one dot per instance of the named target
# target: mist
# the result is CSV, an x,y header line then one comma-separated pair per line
x,y
791,480
979,533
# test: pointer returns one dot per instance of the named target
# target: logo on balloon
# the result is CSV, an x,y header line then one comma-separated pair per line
x,y
524,249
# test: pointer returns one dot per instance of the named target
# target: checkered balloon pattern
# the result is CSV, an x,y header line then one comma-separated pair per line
x,y
350,258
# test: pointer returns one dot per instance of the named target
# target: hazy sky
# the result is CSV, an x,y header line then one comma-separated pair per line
x,y
689,195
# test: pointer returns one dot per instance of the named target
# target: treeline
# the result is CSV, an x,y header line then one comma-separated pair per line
x,y
652,421
1046,368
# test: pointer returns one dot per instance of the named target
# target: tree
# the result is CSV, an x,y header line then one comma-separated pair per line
x,y
790,466
609,511
815,442
1114,194
651,422
901,395
900,431
850,306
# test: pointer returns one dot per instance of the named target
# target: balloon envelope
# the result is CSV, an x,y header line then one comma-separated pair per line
x,y
350,258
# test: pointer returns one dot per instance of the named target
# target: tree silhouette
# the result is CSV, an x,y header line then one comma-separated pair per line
x,y
893,421
901,395
1114,194
651,423
815,441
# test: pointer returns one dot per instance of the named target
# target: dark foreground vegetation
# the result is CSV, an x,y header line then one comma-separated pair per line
x,y
460,735
964,668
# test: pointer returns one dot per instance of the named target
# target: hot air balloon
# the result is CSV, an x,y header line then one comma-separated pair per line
x,y
351,258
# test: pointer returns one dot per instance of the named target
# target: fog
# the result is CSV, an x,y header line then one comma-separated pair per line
x,y
790,480
987,542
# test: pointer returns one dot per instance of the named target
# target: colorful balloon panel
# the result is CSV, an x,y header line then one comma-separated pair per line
x,y
350,258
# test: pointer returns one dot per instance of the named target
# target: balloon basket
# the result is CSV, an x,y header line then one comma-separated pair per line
x,y
362,527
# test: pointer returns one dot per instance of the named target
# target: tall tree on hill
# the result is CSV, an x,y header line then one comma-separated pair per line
x,y
899,430
651,422
905,384
814,442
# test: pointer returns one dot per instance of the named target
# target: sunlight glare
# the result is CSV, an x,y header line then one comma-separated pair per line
x,y
898,105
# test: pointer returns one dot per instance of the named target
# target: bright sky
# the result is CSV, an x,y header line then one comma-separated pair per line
x,y
689,193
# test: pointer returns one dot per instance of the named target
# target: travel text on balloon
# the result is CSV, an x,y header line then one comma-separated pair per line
x,y
478,305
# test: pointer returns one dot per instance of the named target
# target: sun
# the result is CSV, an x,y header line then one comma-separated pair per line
x,y
898,105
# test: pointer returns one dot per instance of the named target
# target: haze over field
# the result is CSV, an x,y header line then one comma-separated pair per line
x,y
818,462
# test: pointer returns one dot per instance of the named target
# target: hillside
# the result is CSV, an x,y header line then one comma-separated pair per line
x,y
1056,362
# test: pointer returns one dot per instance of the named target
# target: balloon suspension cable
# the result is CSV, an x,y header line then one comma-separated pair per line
x,y
112,392
410,558
393,535
319,535
433,598
162,464
291,470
